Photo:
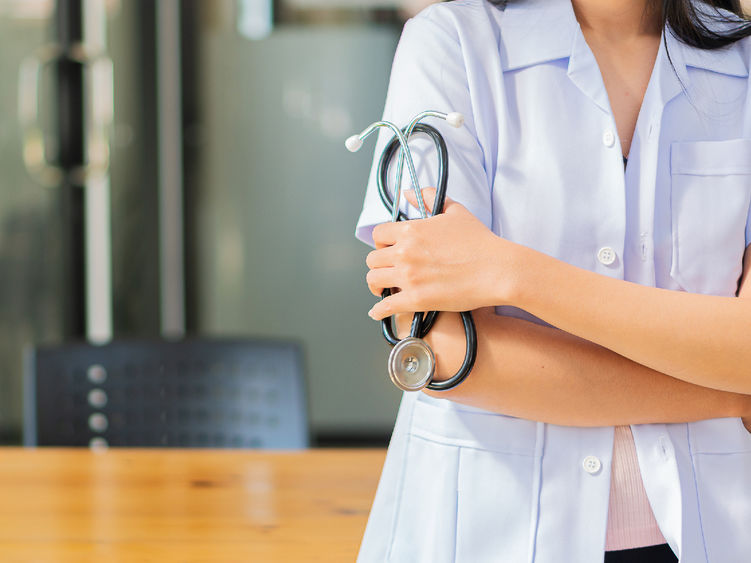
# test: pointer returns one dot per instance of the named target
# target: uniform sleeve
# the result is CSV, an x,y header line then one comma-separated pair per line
x,y
428,73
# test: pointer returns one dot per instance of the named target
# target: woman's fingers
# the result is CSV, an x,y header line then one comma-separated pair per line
x,y
385,234
382,258
396,303
381,278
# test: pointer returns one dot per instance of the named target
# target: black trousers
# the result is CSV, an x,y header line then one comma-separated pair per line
x,y
652,554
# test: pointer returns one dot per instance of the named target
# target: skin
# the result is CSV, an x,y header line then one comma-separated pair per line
x,y
657,356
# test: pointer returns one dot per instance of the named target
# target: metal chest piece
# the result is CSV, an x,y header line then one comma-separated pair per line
x,y
411,364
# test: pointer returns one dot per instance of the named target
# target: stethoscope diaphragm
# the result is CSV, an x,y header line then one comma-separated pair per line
x,y
411,364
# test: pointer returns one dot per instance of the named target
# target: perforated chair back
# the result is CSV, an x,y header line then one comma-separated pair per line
x,y
192,393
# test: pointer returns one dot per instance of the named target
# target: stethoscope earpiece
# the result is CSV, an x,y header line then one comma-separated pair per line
x,y
455,119
353,143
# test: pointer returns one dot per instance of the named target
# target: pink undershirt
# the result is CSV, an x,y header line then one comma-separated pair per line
x,y
631,523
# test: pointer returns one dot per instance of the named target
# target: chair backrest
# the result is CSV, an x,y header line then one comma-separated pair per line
x,y
191,393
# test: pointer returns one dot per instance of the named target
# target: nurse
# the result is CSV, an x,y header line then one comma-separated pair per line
x,y
601,193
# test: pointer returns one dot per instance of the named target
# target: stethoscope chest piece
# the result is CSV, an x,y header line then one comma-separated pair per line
x,y
411,364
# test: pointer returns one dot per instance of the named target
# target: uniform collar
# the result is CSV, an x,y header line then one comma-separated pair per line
x,y
539,31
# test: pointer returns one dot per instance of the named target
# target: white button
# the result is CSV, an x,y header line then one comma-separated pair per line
x,y
608,138
606,255
591,464
665,448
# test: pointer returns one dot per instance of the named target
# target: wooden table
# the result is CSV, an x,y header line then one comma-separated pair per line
x,y
65,505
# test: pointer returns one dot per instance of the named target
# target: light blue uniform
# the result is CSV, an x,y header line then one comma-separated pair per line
x,y
539,162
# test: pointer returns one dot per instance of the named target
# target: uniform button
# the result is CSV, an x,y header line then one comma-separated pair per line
x,y
606,255
608,138
591,464
665,448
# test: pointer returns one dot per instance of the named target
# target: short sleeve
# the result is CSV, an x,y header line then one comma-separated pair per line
x,y
428,73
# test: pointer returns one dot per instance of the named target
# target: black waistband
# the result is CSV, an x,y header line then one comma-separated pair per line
x,y
651,554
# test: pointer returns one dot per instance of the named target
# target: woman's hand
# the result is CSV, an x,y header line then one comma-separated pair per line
x,y
449,262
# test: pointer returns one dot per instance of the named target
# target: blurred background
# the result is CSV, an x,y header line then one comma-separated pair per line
x,y
176,167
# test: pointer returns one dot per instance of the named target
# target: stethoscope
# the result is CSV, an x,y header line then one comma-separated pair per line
x,y
412,364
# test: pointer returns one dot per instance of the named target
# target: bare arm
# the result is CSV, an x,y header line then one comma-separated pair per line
x,y
700,339
452,262
541,373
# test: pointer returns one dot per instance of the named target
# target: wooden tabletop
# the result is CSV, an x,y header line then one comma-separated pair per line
x,y
120,505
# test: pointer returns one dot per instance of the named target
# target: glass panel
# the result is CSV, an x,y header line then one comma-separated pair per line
x,y
32,261
34,221
277,197
133,172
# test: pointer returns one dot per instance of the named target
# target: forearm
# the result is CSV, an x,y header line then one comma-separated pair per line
x,y
540,373
700,339
697,338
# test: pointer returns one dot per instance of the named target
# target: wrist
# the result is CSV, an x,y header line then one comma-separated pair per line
x,y
510,273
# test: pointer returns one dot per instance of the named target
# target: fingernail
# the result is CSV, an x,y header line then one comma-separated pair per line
x,y
371,314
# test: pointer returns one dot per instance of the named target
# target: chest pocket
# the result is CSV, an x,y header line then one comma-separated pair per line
x,y
710,197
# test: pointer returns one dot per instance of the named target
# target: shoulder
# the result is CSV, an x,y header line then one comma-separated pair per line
x,y
721,21
463,21
731,60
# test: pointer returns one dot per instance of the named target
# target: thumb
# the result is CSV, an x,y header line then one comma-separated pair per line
x,y
428,196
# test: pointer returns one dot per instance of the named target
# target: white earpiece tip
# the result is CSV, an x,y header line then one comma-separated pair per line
x,y
353,144
455,119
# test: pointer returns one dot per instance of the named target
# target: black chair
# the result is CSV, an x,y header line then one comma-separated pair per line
x,y
191,393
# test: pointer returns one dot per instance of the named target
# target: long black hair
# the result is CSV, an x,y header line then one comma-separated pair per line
x,y
709,24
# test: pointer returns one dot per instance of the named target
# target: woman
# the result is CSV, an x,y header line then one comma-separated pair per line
x,y
604,296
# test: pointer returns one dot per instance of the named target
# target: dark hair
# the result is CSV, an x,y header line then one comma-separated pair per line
x,y
709,24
